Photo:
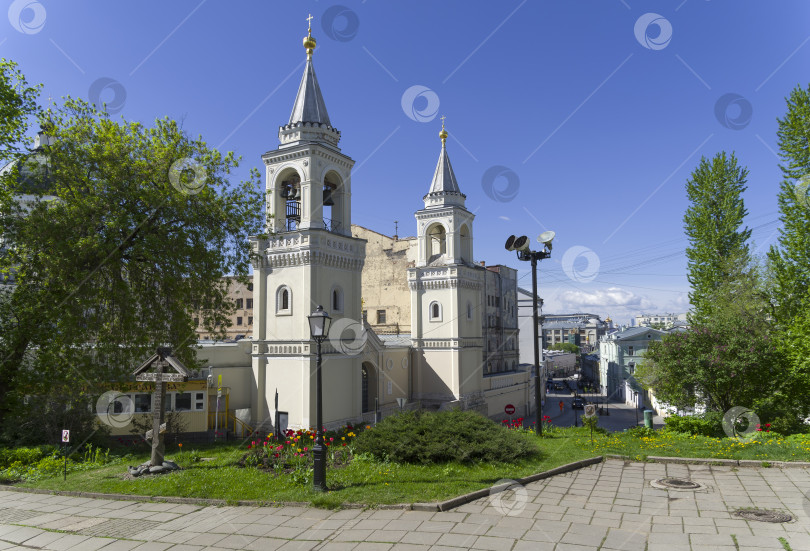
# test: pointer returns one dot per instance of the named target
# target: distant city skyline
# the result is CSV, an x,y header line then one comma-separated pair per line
x,y
583,118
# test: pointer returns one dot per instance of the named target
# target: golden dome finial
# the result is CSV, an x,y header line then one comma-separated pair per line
x,y
443,133
309,42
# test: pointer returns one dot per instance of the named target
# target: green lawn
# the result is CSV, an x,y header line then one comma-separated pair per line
x,y
373,483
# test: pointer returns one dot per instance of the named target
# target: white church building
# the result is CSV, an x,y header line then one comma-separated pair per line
x,y
309,258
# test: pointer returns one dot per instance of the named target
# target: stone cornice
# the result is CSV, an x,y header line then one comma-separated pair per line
x,y
313,247
308,151
455,276
450,343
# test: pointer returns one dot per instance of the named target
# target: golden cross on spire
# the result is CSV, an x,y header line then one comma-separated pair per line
x,y
309,21
443,133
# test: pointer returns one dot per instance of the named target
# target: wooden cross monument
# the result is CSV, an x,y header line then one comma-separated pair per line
x,y
178,373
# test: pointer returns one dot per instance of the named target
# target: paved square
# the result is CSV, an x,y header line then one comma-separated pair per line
x,y
608,507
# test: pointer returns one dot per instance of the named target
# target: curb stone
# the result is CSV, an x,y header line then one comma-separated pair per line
x,y
467,498
724,462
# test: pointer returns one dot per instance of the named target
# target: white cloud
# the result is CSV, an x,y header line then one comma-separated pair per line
x,y
613,299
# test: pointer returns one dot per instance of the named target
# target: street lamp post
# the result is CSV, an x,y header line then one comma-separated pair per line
x,y
319,322
521,246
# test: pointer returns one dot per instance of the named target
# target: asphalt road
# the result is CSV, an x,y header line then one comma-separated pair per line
x,y
618,416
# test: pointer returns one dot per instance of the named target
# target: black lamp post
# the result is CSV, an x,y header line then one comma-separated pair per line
x,y
521,246
319,322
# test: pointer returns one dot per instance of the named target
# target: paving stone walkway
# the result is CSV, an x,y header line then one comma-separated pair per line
x,y
609,506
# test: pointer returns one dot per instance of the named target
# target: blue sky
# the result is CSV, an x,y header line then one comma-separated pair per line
x,y
585,117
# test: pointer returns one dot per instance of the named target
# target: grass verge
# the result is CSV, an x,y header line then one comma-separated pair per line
x,y
373,482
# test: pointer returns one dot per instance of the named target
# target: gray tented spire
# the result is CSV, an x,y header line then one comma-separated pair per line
x,y
444,179
309,105
444,189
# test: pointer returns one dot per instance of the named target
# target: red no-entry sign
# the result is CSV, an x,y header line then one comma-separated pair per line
x,y
509,409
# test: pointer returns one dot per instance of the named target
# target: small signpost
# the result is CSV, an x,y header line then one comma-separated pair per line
x,y
160,361
401,402
65,441
509,409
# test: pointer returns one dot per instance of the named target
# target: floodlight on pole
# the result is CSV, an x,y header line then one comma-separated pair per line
x,y
521,246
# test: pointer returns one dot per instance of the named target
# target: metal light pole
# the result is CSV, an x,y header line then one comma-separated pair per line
x,y
521,245
319,323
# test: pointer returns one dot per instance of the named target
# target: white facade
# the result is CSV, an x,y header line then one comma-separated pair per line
x,y
619,354
309,258
665,319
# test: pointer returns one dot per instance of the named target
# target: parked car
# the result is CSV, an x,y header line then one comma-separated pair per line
x,y
560,386
578,403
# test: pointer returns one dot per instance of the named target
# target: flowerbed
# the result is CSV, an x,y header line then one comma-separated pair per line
x,y
292,454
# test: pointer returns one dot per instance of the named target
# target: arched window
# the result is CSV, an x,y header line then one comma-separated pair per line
x,y
469,310
337,299
284,301
435,311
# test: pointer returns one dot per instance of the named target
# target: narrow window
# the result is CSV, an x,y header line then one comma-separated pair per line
x,y
239,304
380,317
285,300
249,303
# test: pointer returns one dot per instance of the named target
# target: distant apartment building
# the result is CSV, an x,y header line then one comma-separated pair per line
x,y
386,298
241,326
619,354
500,319
665,320
582,329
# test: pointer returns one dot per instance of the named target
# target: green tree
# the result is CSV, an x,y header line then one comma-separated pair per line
x,y
565,347
717,244
728,360
145,224
17,106
790,258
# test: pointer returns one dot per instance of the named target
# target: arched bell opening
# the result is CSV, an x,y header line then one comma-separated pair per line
x,y
435,242
466,244
334,198
288,198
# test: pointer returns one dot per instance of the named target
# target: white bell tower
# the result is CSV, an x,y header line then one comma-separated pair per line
x,y
307,259
446,291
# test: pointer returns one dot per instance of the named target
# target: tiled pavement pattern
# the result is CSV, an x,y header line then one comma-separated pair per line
x,y
609,506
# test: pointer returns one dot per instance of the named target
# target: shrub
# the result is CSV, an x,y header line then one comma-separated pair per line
x,y
641,432
708,424
426,437
788,425
24,456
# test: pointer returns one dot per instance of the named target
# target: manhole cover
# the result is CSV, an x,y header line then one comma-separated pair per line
x,y
763,515
675,484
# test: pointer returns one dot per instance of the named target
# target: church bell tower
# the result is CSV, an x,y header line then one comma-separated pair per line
x,y
446,289
307,259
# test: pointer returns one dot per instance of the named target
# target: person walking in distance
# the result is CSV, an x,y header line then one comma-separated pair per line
x,y
561,406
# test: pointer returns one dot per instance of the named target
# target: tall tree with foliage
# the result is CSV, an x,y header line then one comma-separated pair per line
x,y
145,224
713,224
790,258
728,360
18,104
